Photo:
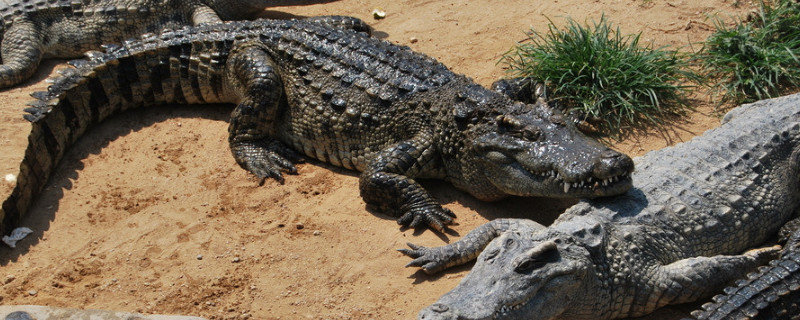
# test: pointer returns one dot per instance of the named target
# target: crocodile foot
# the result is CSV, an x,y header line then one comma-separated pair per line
x,y
431,260
266,159
432,215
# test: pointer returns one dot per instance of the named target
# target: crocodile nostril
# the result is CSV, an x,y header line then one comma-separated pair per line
x,y
612,163
438,307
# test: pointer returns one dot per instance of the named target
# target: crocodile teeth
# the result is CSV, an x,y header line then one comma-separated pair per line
x,y
566,187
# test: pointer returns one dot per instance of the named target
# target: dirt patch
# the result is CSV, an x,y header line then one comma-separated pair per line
x,y
150,213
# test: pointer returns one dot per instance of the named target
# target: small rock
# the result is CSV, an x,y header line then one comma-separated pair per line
x,y
10,278
32,292
316,232
413,40
300,226
199,257
377,13
236,260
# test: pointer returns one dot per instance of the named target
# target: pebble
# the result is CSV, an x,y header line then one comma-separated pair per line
x,y
199,257
413,40
32,292
316,232
236,259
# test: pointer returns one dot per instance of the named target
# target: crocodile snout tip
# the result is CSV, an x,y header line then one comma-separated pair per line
x,y
611,164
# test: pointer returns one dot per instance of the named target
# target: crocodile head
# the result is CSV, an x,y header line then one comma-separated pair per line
x,y
530,150
517,277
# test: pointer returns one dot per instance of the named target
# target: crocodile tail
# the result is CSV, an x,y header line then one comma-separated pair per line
x,y
139,73
773,292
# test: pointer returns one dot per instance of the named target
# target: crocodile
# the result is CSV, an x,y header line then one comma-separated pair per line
x,y
773,292
685,230
331,94
32,30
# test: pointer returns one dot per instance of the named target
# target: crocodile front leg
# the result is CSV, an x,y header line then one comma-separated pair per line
x,y
21,52
466,249
253,78
387,184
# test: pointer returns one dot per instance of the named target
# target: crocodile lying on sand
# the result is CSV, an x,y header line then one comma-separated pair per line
x,y
773,292
335,95
676,237
32,30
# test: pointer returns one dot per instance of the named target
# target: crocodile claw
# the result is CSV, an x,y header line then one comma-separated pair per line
x,y
429,260
433,217
266,159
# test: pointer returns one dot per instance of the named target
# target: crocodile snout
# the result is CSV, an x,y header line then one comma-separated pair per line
x,y
611,164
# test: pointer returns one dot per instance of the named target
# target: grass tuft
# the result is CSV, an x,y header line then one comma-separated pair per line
x,y
754,59
602,74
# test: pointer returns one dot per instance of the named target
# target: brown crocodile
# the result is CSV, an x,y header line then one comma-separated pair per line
x,y
335,95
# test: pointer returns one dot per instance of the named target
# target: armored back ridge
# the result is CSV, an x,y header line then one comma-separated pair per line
x,y
336,95
676,237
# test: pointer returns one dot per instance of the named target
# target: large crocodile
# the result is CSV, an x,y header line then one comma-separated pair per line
x,y
677,236
31,30
332,94
773,292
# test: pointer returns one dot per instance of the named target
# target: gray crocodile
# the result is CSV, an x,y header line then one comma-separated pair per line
x,y
679,235
773,292
335,95
32,30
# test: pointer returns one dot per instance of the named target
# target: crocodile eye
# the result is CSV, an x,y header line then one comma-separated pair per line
x,y
531,133
528,265
558,119
536,257
509,244
491,254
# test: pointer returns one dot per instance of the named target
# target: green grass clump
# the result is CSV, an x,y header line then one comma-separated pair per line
x,y
602,74
756,59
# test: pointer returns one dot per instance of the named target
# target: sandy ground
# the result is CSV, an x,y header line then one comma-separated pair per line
x,y
150,213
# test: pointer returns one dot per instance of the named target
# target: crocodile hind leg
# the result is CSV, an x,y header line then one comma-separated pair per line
x,y
435,259
387,184
251,74
21,52
695,278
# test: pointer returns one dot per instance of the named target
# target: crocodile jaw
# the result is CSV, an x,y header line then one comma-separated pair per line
x,y
579,168
512,177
